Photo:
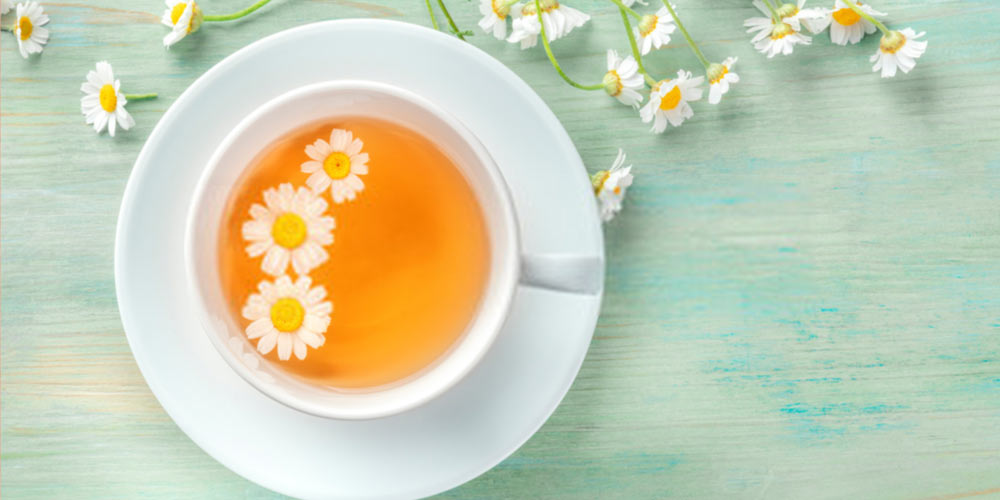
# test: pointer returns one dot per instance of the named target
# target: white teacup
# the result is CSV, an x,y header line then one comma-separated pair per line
x,y
508,266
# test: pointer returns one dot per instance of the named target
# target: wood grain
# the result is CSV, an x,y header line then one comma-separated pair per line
x,y
802,292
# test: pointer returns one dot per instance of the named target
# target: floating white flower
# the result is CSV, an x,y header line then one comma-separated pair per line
x,y
623,80
288,315
846,26
610,186
495,14
654,30
31,36
781,40
337,165
104,102
669,101
720,76
292,228
898,49
182,17
559,21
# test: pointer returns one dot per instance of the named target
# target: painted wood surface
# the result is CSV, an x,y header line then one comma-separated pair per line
x,y
802,292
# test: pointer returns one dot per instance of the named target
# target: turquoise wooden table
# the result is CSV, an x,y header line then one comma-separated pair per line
x,y
803,292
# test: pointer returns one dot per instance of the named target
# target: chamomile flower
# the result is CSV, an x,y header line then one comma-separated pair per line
x,y
495,14
182,17
5,6
31,36
559,21
336,165
898,49
610,186
846,26
104,102
720,76
291,228
291,316
669,101
798,17
654,30
623,80
781,40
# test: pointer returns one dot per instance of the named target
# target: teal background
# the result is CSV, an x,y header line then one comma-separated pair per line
x,y
802,291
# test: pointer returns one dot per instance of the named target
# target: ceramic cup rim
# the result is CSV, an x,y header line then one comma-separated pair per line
x,y
498,293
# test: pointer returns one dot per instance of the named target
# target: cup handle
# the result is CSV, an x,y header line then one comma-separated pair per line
x,y
563,273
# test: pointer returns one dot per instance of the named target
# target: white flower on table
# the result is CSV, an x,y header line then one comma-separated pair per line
x,y
495,14
610,186
31,36
898,49
291,228
336,165
104,103
654,30
559,21
846,26
720,76
623,80
182,17
669,101
291,316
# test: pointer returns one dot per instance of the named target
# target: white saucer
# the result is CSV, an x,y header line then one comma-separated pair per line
x,y
430,449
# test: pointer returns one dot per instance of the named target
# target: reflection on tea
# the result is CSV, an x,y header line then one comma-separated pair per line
x,y
353,253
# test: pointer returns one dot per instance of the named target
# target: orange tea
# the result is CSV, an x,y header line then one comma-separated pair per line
x,y
377,217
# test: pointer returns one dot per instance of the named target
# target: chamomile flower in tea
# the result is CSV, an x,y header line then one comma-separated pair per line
x,y
291,228
291,316
31,36
336,165
669,101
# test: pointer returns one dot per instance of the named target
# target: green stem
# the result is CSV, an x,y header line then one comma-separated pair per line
x,y
774,12
238,14
430,11
626,8
552,57
140,97
857,10
7,28
635,48
451,22
687,36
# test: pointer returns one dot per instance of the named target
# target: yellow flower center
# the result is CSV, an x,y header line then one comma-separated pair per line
x,y
108,98
500,8
846,17
289,230
647,24
24,24
547,6
618,190
287,314
891,43
337,165
671,99
177,12
781,30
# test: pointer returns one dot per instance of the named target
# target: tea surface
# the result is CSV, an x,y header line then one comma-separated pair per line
x,y
407,266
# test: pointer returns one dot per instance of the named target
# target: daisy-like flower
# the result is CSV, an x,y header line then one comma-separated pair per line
x,y
292,228
654,30
610,186
31,36
669,101
782,39
720,76
845,24
182,17
291,316
623,80
559,21
495,14
104,102
797,16
898,49
336,165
